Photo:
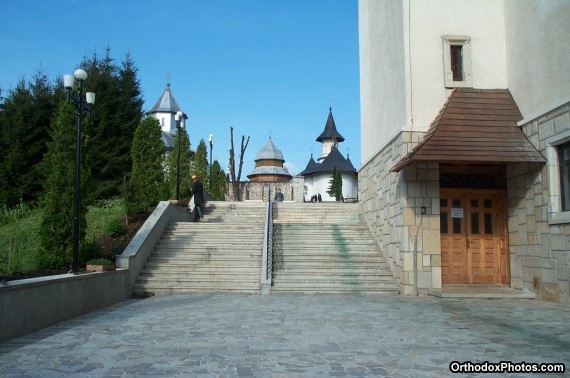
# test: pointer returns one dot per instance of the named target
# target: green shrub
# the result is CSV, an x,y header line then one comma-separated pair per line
x,y
11,215
99,262
90,251
116,228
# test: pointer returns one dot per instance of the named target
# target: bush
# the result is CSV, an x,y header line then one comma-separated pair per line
x,y
10,215
99,262
116,228
90,251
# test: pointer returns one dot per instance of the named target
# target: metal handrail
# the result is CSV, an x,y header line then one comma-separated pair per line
x,y
269,239
267,258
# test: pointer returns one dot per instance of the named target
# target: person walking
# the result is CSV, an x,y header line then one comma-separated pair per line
x,y
279,196
198,193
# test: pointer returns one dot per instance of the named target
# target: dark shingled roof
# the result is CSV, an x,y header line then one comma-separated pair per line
x,y
269,152
475,126
333,159
310,165
330,130
166,103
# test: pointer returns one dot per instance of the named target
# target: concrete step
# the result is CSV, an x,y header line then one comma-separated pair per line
x,y
221,253
334,255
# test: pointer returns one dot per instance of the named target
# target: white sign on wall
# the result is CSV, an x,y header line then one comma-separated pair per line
x,y
456,212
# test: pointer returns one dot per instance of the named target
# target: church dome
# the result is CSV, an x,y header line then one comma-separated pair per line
x,y
269,165
269,152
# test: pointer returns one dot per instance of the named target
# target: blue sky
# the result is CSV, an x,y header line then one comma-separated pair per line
x,y
269,68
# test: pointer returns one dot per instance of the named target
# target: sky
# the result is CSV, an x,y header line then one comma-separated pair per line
x,y
267,68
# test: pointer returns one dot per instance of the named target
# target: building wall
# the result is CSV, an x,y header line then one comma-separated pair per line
x,y
539,234
391,205
258,191
167,121
537,40
401,61
538,36
520,45
320,183
382,74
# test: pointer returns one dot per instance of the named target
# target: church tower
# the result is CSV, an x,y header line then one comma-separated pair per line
x,y
330,137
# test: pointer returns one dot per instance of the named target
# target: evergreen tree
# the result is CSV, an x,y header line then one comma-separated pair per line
x,y
117,113
13,116
56,231
24,133
36,136
338,185
146,184
200,166
218,189
335,184
185,168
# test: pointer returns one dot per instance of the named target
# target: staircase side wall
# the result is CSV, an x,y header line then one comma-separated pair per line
x,y
135,256
391,205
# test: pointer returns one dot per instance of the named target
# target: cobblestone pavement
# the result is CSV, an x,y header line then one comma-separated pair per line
x,y
232,335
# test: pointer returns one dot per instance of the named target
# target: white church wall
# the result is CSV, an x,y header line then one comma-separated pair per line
x,y
402,61
540,30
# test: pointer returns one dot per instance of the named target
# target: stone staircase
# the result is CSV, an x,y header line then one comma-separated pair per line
x,y
323,248
221,253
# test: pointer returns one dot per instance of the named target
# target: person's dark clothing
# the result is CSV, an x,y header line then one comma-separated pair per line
x,y
198,193
279,197
319,197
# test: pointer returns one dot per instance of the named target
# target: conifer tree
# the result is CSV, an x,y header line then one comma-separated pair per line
x,y
200,166
335,184
185,169
218,189
12,124
56,232
117,113
147,181
24,132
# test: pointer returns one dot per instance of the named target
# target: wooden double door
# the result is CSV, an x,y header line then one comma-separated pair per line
x,y
474,239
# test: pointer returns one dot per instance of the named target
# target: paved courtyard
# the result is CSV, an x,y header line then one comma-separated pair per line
x,y
228,335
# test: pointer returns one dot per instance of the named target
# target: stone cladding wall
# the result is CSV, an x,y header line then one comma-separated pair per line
x,y
539,234
258,191
391,205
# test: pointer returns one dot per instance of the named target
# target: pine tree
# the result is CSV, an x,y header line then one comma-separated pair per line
x,y
338,185
36,136
200,167
56,231
335,184
24,133
117,113
218,189
12,124
185,166
146,185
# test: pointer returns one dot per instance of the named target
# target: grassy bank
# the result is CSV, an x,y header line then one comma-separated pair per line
x,y
20,242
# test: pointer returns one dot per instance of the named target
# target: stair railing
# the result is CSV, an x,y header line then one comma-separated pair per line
x,y
267,257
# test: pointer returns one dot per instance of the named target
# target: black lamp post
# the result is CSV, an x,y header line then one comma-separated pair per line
x,y
211,139
178,118
82,105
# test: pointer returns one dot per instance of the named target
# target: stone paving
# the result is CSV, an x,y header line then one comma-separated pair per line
x,y
232,335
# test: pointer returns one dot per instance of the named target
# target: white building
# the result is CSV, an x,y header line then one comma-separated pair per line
x,y
466,141
317,174
164,111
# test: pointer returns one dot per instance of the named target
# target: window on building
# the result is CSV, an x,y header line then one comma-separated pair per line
x,y
564,168
558,155
457,61
456,55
